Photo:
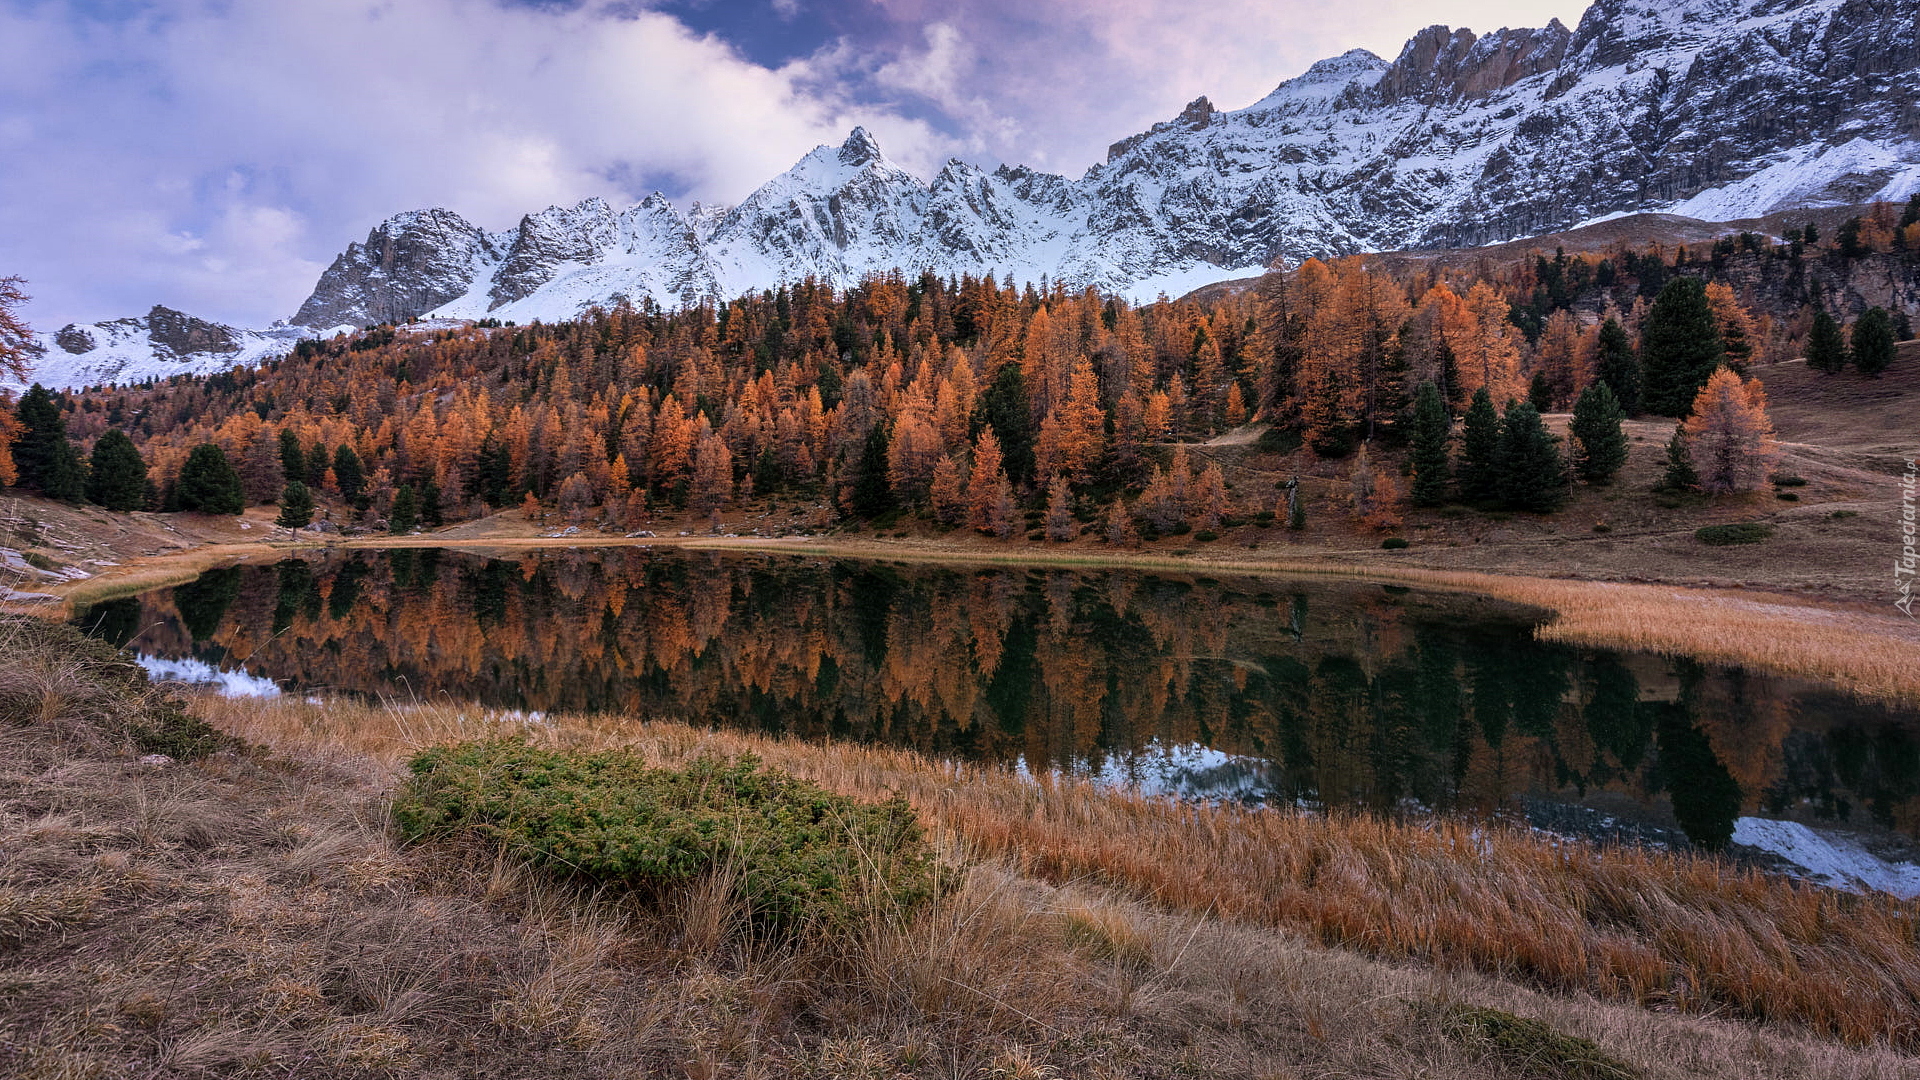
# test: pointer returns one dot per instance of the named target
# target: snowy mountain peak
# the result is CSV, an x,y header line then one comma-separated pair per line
x,y
860,148
1318,88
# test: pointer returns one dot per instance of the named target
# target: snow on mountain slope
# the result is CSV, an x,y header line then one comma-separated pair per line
x,y
160,343
1719,109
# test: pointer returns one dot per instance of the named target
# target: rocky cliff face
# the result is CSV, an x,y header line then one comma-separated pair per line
x,y
410,263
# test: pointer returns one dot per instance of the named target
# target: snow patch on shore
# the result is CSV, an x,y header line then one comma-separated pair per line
x,y
1830,860
200,673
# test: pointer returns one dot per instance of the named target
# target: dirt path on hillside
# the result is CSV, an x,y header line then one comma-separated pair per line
x,y
1240,436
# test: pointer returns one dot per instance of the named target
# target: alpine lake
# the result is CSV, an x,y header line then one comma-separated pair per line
x,y
1337,695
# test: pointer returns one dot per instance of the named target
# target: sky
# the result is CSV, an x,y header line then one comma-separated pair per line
x,y
215,155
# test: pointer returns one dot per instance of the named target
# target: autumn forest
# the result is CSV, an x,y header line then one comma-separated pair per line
x,y
966,400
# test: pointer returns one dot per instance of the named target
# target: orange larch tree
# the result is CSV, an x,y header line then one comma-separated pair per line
x,y
984,483
1729,435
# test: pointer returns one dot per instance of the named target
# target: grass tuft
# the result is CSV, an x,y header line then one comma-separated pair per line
x,y
66,687
1530,1047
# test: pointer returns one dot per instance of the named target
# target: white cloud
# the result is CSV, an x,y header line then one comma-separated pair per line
x,y
212,156
1059,82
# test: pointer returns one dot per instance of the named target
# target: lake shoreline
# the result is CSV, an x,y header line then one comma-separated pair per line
x,y
1844,644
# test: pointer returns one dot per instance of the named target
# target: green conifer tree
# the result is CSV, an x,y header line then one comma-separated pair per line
x,y
1680,347
296,506
349,475
1532,475
1432,430
1007,409
1826,349
1600,445
872,495
1872,344
493,473
1540,393
405,513
317,461
116,475
431,515
293,460
1448,365
46,461
1618,367
66,476
1680,474
209,484
1848,242
1480,450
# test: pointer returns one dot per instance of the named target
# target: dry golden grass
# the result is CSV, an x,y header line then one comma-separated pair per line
x,y
1650,928
251,915
143,575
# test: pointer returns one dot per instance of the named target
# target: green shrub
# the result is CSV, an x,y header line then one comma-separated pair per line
x,y
1394,543
801,858
1788,480
40,562
1745,532
1786,496
1263,518
1206,536
1842,515
167,728
1529,1045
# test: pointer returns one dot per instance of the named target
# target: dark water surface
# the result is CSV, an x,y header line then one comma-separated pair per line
x,y
1260,689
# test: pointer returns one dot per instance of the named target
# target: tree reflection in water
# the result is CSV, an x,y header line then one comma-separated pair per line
x,y
1335,694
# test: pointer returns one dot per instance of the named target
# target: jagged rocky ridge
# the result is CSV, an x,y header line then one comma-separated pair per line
x,y
1714,109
